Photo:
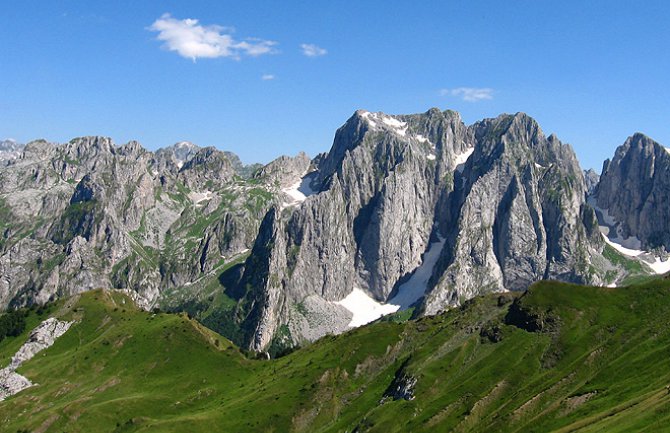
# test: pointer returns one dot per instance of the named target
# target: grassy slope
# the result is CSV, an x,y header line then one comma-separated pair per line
x,y
600,365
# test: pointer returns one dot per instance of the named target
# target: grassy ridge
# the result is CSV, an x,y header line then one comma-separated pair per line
x,y
560,358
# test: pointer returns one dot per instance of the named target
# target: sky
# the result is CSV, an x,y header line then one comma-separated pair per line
x,y
266,78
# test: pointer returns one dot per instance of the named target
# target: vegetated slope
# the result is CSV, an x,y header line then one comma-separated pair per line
x,y
559,358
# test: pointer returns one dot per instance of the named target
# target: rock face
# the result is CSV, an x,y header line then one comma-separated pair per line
x,y
9,151
634,189
88,214
591,178
404,211
42,337
402,387
520,213
509,202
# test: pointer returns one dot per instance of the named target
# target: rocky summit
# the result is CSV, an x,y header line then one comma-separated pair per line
x,y
405,213
635,190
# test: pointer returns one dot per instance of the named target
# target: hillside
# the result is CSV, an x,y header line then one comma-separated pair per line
x,y
558,358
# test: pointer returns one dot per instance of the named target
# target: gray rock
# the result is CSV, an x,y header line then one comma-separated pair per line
x,y
591,178
9,151
506,203
635,188
89,214
512,213
42,337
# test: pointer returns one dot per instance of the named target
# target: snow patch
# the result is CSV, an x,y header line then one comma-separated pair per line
x,y
667,149
413,289
299,191
393,123
540,166
659,266
421,139
461,159
630,246
369,119
431,157
381,119
364,308
619,247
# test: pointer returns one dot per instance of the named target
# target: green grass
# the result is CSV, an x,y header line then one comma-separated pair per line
x,y
597,361
635,272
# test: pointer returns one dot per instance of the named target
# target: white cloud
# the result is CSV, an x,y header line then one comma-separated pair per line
x,y
469,94
267,77
192,40
311,50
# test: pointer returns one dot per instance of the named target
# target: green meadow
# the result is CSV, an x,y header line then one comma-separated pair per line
x,y
558,358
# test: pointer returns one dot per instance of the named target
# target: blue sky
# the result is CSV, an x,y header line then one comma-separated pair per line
x,y
592,72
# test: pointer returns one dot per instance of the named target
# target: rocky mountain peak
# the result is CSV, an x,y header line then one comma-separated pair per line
x,y
285,170
184,150
632,187
591,178
89,146
404,211
642,144
38,148
9,150
132,149
179,153
9,145
245,171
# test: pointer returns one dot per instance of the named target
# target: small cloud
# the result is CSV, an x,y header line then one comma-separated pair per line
x,y
267,77
192,40
469,94
311,50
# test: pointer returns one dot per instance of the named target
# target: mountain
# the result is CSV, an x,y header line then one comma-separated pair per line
x,y
557,358
412,213
633,193
9,151
591,177
179,153
496,206
89,214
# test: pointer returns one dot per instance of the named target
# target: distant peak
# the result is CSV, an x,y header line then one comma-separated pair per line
x,y
185,145
641,138
641,141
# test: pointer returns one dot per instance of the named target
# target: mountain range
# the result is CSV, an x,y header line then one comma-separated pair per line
x,y
406,214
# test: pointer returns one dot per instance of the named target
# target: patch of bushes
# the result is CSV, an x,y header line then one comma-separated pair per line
x,y
12,324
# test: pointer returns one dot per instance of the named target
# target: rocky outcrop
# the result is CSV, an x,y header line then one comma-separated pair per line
x,y
371,221
591,179
421,210
402,386
9,151
89,214
42,337
520,216
245,171
634,190
509,202
285,170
